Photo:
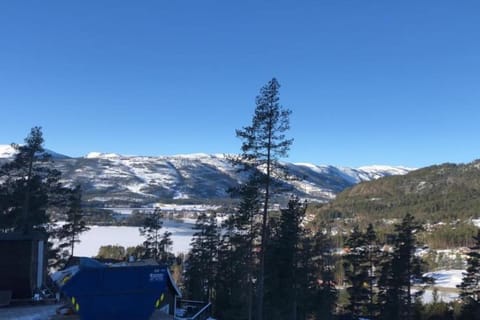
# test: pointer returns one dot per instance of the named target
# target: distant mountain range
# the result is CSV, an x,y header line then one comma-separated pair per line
x,y
117,180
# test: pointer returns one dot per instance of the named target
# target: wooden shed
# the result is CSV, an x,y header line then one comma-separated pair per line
x,y
23,263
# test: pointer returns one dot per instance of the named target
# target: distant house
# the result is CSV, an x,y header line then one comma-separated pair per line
x,y
23,264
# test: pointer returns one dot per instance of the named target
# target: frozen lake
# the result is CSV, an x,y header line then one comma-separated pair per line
x,y
98,236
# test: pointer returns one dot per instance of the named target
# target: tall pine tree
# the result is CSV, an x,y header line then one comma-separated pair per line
x,y
263,143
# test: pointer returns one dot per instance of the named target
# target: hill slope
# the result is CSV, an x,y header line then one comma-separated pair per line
x,y
432,193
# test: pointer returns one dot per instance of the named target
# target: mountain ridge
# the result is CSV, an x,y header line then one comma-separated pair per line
x,y
111,179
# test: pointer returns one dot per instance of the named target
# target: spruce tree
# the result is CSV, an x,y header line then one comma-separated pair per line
x,y
202,261
374,255
238,258
67,233
359,267
356,269
283,259
263,143
400,268
470,286
29,184
151,231
325,294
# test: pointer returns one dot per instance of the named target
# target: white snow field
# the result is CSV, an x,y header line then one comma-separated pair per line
x,y
98,236
446,278
28,313
446,282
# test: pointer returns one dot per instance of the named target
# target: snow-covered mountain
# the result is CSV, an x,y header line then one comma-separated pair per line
x,y
7,151
113,179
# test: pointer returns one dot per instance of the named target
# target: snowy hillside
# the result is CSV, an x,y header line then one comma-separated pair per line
x,y
113,179
7,151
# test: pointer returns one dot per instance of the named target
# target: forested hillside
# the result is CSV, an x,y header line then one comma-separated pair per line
x,y
436,193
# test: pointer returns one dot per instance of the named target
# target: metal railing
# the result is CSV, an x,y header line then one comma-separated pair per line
x,y
193,310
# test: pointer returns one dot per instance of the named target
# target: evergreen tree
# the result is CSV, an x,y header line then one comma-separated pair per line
x,y
201,264
238,258
282,285
151,231
399,270
165,245
66,234
359,268
74,224
263,142
28,186
470,286
374,254
325,294
356,269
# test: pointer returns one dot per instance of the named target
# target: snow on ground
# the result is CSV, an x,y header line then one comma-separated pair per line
x,y
476,222
98,236
28,313
445,296
445,281
6,151
446,278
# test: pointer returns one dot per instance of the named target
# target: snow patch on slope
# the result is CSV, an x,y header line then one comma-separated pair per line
x,y
101,155
6,151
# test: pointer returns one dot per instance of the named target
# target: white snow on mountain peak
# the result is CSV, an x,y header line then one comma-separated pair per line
x,y
102,155
109,177
6,151
385,168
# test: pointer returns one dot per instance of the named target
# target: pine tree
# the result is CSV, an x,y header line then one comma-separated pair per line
x,y
263,142
356,269
359,267
201,264
399,270
282,285
74,224
29,184
67,234
374,254
165,247
238,258
325,294
151,231
470,286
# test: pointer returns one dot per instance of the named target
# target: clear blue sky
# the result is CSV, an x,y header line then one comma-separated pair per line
x,y
368,82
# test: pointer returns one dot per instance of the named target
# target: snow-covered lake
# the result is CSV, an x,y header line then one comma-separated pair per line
x,y
98,236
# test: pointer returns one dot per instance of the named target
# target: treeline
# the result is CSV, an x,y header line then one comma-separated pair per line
x,y
381,281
